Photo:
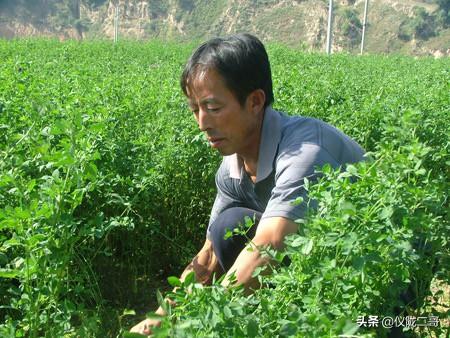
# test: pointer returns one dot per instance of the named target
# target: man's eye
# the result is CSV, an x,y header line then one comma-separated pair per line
x,y
212,110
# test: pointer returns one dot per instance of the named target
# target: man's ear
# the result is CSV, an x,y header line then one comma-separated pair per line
x,y
256,100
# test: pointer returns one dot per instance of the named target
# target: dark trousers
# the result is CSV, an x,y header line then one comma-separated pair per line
x,y
227,250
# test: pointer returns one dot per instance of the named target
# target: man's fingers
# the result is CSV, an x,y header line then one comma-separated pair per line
x,y
145,327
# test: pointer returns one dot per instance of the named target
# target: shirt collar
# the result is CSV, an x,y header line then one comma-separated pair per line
x,y
270,138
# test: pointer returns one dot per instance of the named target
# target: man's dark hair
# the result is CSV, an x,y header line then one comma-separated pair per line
x,y
240,59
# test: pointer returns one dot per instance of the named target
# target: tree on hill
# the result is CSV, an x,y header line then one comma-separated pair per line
x,y
94,3
443,14
422,25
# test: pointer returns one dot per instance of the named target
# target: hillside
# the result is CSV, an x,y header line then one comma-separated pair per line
x,y
418,27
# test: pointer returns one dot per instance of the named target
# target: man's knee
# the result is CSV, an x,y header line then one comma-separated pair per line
x,y
233,218
228,249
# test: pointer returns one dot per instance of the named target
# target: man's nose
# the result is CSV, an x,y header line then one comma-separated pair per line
x,y
203,120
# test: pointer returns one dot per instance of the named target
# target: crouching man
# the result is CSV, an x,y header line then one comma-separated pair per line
x,y
267,156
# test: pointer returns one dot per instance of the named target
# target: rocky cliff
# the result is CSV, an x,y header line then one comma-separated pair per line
x,y
294,22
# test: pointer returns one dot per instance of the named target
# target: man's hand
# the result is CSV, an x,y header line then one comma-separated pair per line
x,y
270,232
145,327
204,264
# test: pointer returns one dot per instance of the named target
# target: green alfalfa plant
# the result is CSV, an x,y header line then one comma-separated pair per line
x,y
40,234
209,308
368,241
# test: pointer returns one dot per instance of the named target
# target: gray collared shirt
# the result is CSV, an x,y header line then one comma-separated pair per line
x,y
290,150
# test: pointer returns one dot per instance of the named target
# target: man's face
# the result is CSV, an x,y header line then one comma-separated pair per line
x,y
230,127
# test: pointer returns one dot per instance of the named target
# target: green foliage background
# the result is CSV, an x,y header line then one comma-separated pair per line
x,y
106,186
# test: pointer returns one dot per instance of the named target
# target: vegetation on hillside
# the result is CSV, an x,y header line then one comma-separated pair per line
x,y
417,27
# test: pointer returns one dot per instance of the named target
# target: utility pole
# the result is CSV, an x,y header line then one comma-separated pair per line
x,y
364,26
76,13
116,22
330,24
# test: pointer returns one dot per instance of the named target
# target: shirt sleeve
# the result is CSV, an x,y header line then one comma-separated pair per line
x,y
293,165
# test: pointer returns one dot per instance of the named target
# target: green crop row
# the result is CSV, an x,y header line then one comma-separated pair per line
x,y
106,186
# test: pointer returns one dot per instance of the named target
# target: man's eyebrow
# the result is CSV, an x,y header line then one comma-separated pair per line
x,y
208,100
